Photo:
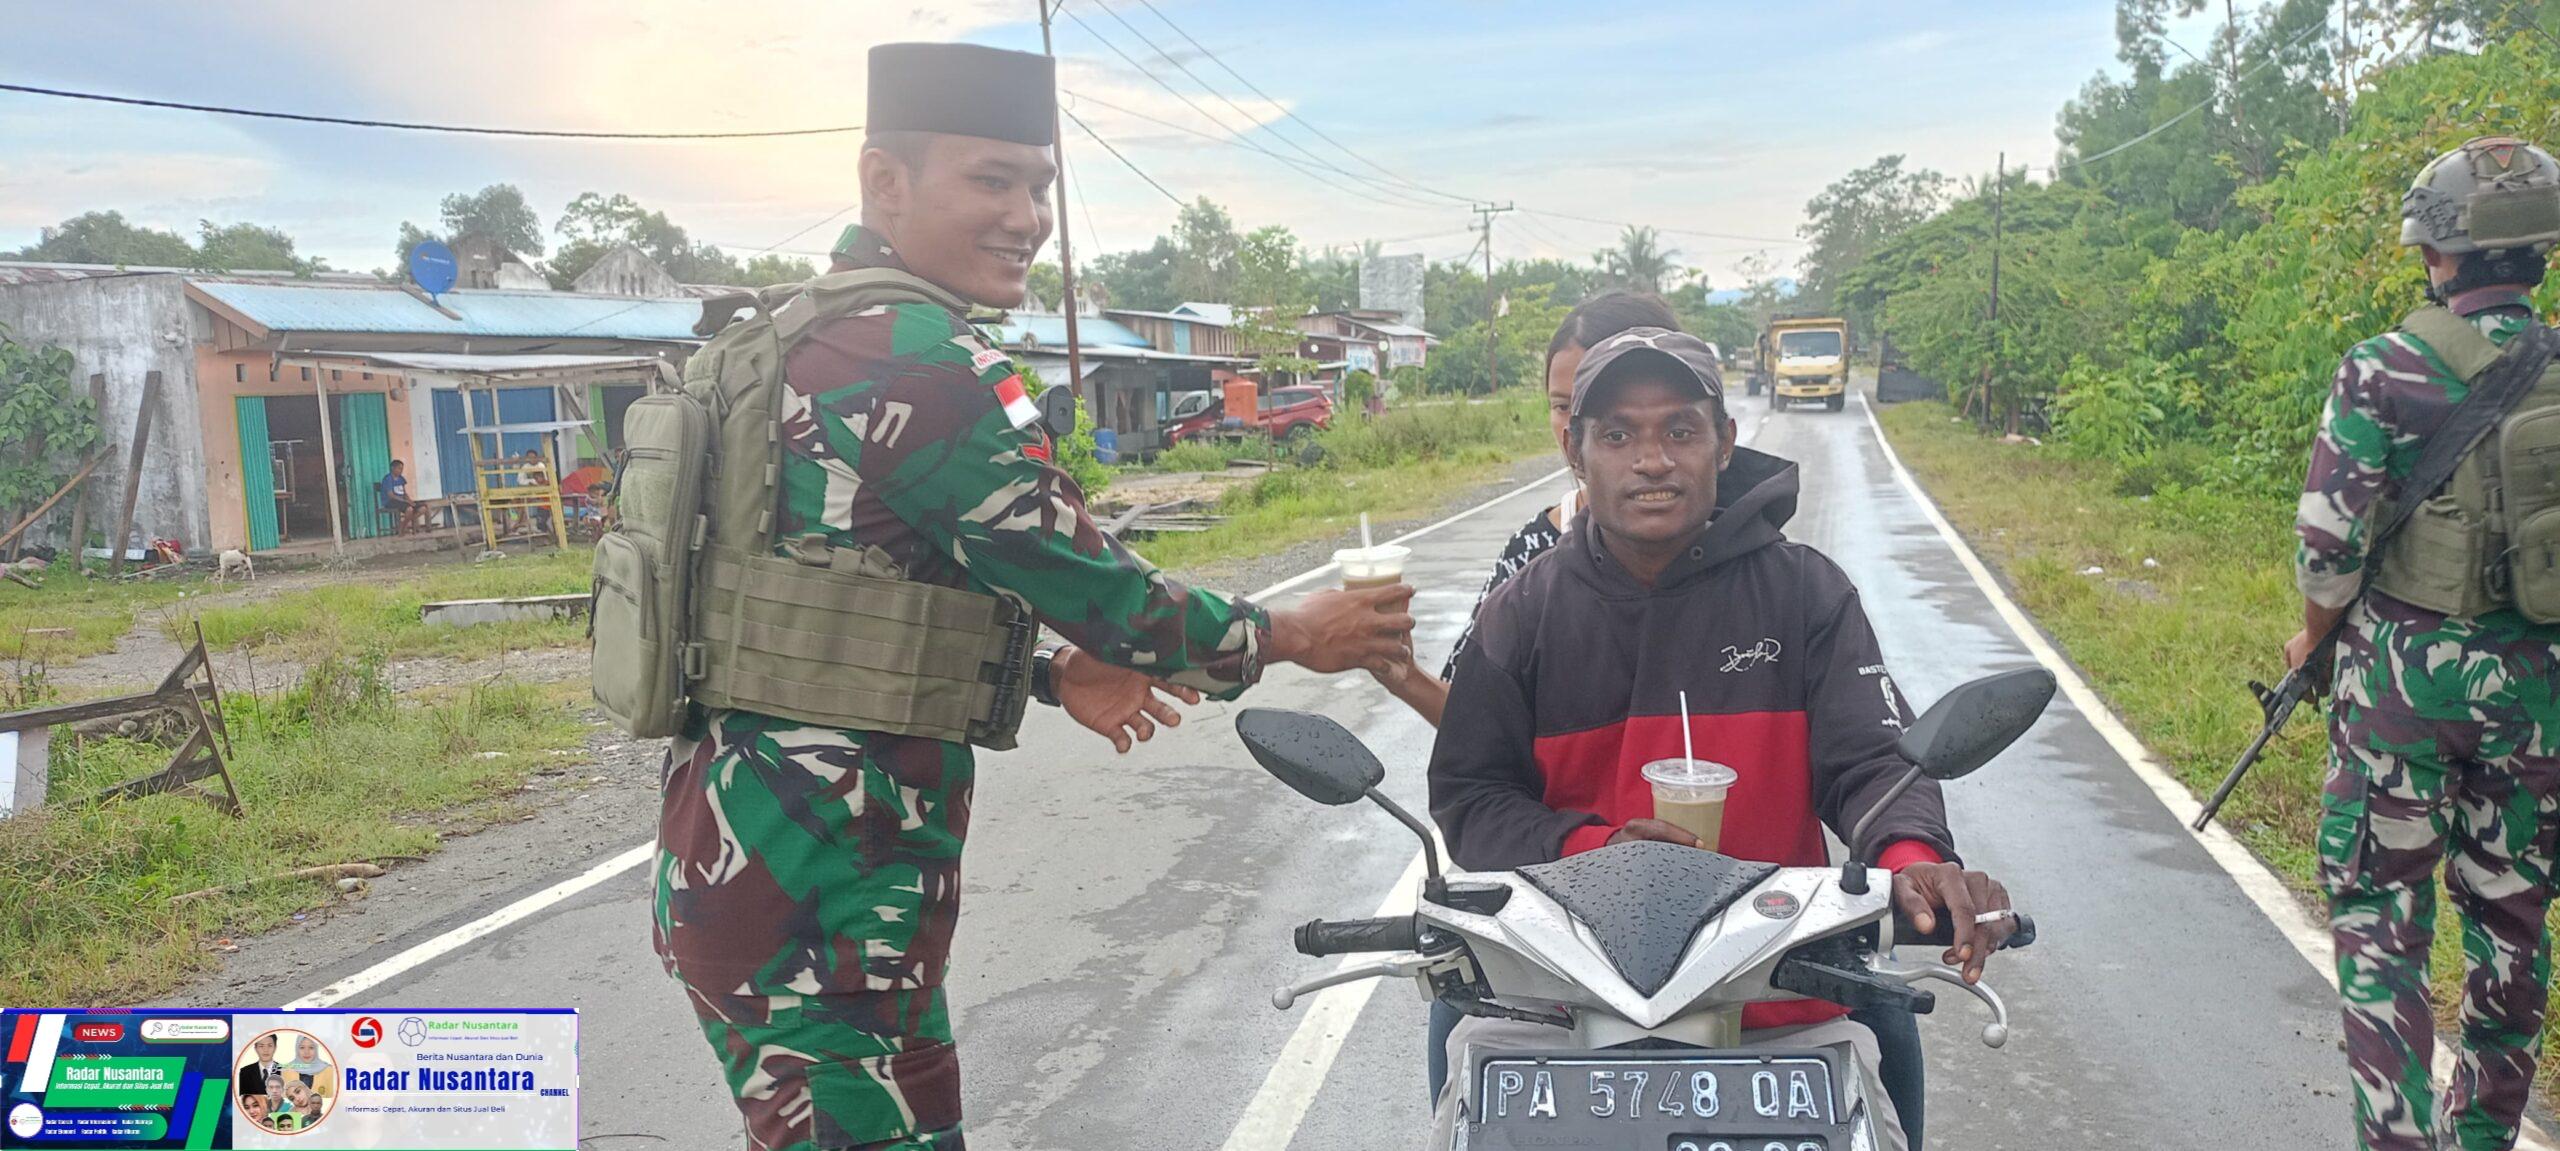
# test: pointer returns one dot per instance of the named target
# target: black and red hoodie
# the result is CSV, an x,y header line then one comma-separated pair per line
x,y
1572,685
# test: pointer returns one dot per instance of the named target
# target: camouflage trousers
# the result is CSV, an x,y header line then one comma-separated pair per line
x,y
808,884
2404,795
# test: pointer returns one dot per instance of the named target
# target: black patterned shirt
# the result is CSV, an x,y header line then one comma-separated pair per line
x,y
1531,541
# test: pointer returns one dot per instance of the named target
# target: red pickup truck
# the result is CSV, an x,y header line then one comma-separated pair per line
x,y
1281,413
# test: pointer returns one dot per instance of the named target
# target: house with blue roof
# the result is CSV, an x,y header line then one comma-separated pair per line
x,y
1135,366
283,401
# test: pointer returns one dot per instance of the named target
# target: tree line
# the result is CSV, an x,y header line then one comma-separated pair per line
x,y
1274,277
588,227
2216,228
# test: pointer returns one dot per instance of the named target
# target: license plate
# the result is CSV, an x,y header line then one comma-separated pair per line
x,y
1762,1101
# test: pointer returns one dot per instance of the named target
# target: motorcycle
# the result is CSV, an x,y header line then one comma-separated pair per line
x,y
1642,956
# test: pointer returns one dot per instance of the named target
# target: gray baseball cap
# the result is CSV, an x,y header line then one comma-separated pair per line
x,y
1678,356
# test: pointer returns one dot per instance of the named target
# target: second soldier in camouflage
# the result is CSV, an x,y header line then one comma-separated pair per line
x,y
2444,736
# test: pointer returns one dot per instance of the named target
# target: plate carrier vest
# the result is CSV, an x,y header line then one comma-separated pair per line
x,y
2491,537
693,604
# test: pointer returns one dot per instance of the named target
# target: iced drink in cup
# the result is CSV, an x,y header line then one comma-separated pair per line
x,y
1689,794
1373,567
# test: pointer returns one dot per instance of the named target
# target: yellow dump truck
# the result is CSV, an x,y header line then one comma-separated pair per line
x,y
1806,358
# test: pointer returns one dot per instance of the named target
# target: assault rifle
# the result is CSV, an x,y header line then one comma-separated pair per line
x,y
2278,705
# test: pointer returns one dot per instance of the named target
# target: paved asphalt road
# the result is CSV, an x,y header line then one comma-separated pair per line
x,y
1128,917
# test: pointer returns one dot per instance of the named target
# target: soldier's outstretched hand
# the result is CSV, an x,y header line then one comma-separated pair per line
x,y
1120,705
1346,628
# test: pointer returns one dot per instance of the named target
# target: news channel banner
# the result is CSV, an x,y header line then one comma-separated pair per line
x,y
326,1080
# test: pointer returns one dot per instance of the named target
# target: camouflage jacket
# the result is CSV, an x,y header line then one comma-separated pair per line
x,y
896,436
2390,394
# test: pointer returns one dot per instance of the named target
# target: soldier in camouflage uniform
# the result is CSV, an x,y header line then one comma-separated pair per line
x,y
2445,730
808,878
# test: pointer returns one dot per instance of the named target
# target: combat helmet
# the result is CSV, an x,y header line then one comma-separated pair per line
x,y
2493,193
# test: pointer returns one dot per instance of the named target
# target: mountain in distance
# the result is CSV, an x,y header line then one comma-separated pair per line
x,y
1786,287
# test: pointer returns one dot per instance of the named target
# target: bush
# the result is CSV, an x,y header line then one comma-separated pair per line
x,y
1194,456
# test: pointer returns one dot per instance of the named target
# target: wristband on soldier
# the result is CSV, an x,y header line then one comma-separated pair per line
x,y
1043,688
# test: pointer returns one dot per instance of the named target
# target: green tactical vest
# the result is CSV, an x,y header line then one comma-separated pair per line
x,y
2491,537
694,606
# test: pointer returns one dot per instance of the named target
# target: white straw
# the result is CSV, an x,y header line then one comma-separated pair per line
x,y
1364,532
1686,752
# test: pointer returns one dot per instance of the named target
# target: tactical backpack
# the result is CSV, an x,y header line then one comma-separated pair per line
x,y
693,605
2490,537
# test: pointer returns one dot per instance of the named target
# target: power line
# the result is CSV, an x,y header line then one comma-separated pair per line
x,y
1238,137
1249,117
2173,121
412,126
1290,113
1124,160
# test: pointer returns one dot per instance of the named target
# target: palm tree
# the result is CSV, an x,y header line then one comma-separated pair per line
x,y
1639,262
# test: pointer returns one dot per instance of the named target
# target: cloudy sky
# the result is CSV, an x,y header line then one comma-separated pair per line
x,y
1714,120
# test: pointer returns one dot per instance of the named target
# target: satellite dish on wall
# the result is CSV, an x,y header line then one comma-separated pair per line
x,y
432,267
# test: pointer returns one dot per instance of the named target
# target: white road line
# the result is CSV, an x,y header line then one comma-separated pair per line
x,y
640,853
1270,1120
2273,898
515,912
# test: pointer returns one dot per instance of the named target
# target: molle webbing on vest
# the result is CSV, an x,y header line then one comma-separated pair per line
x,y
831,636
2490,537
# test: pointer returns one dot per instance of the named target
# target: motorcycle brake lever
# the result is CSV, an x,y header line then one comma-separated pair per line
x,y
1403,965
1994,1033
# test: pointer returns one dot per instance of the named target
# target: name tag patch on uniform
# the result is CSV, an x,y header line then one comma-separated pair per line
x,y
1017,402
987,358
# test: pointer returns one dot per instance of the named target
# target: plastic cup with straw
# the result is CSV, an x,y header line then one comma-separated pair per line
x,y
1372,564
1689,792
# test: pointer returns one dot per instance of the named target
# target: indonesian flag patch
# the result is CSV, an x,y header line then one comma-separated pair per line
x,y
1017,402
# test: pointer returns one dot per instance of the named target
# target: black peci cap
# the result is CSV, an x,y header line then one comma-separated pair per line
x,y
1681,357
964,90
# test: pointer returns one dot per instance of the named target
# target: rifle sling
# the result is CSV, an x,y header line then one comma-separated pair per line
x,y
2493,396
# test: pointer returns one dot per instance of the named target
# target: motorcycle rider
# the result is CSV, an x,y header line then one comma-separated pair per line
x,y
1591,321
1678,578
2439,732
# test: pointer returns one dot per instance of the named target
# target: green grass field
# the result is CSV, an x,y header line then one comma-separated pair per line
x,y
1399,465
382,614
333,771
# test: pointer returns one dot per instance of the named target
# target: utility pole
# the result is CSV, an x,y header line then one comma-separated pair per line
x,y
1058,208
1492,306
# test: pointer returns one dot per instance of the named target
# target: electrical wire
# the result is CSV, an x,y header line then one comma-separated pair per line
x,y
2173,121
1249,117
1124,160
1237,137
1301,121
412,126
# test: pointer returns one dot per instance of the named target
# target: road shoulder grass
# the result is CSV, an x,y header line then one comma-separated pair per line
x,y
334,770
1399,465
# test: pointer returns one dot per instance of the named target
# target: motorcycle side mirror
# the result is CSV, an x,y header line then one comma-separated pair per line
x,y
1058,411
1317,757
1965,729
1323,761
1975,722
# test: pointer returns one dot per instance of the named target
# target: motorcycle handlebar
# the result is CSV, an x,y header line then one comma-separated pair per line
x,y
1903,933
1392,933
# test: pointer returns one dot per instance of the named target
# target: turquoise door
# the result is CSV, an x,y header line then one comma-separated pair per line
x,y
257,473
364,442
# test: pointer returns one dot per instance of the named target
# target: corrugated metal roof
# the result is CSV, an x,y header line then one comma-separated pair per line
x,y
314,308
1223,315
507,364
1040,329
47,271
